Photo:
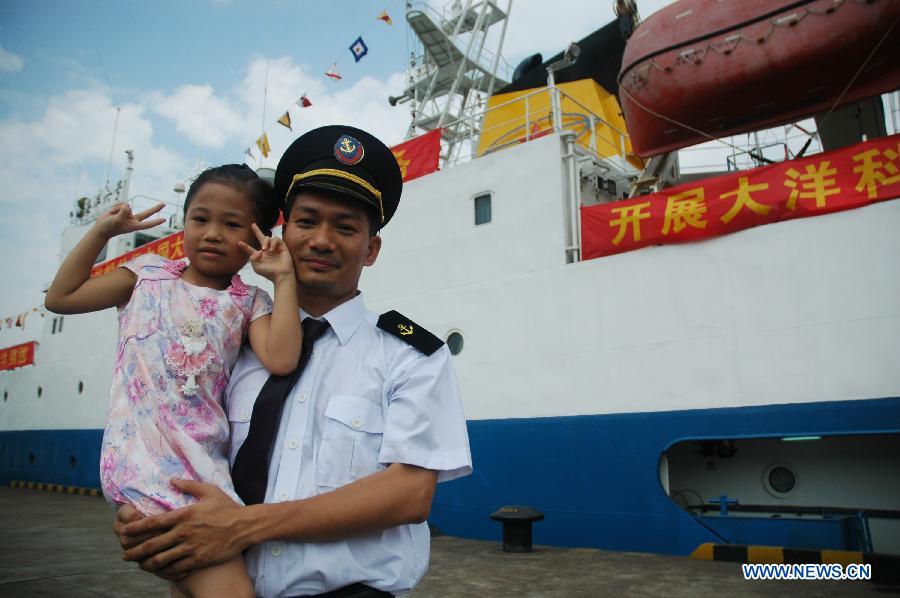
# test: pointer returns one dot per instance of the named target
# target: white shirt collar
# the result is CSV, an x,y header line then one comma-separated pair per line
x,y
345,318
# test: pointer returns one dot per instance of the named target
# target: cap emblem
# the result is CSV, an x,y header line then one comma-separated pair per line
x,y
348,150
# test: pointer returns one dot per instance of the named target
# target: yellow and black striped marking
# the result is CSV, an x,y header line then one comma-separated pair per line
x,y
885,567
56,488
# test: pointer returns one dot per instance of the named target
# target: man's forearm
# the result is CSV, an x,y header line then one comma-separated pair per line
x,y
216,529
398,495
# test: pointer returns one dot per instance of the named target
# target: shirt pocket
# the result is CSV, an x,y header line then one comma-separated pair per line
x,y
240,409
351,441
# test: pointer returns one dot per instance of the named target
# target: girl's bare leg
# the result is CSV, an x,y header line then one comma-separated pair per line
x,y
227,579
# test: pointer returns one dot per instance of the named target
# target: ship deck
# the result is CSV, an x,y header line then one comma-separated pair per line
x,y
58,544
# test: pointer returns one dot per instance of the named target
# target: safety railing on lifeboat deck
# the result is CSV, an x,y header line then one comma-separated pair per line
x,y
535,120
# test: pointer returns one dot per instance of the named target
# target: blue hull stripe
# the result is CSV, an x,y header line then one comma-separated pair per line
x,y
67,457
594,476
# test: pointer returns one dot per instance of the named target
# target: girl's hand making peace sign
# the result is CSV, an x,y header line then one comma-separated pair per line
x,y
272,260
119,220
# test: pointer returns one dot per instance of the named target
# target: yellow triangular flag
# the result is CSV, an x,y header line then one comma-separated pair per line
x,y
263,144
286,120
385,17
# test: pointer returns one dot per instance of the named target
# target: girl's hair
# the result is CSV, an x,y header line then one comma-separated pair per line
x,y
241,177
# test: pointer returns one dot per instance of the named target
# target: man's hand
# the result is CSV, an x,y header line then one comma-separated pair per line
x,y
127,514
203,534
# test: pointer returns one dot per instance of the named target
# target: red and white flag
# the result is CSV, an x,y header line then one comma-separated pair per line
x,y
333,73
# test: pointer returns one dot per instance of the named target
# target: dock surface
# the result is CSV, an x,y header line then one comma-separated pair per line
x,y
63,545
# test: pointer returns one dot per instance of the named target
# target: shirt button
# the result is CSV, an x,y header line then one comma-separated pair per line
x,y
276,550
292,444
284,496
301,398
356,423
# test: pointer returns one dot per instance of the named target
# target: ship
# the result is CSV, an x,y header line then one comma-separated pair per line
x,y
644,390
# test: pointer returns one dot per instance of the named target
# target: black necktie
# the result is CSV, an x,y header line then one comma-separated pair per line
x,y
251,466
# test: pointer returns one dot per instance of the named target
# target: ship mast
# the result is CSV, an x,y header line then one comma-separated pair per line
x,y
453,72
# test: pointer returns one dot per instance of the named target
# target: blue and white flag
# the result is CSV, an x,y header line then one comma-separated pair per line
x,y
359,49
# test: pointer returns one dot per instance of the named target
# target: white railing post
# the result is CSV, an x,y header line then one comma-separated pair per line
x,y
527,120
554,104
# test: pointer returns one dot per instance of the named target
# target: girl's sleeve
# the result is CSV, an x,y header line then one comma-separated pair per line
x,y
262,304
143,261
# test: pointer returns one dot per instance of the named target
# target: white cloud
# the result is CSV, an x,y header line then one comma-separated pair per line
x,y
234,117
198,114
10,62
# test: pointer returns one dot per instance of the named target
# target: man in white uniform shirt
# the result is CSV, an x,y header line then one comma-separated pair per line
x,y
363,436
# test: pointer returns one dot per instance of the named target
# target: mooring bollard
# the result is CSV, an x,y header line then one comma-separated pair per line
x,y
517,521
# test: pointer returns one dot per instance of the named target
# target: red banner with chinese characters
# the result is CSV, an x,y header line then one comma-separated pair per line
x,y
842,179
171,247
17,356
419,156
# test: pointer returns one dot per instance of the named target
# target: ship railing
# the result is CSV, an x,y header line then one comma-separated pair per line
x,y
746,151
893,100
758,156
531,117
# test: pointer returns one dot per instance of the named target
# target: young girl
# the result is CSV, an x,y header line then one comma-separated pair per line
x,y
181,325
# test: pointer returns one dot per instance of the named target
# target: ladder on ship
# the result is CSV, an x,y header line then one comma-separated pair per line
x,y
451,75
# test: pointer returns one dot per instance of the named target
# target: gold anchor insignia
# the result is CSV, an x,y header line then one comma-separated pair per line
x,y
405,330
347,146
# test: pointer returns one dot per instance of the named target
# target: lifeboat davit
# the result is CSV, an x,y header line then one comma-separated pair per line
x,y
700,68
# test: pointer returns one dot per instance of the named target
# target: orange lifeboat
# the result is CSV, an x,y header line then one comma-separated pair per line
x,y
708,68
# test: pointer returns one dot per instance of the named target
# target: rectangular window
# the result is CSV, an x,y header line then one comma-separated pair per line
x,y
142,239
483,209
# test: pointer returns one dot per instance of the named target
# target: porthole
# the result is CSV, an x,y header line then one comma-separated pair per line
x,y
40,391
80,387
455,343
780,480
73,461
31,458
5,395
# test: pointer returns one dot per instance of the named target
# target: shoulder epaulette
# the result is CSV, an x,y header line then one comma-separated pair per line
x,y
409,332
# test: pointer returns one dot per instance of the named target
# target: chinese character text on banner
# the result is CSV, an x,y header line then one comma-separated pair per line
x,y
170,247
842,179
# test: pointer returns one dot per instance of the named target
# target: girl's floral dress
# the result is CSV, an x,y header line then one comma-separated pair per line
x,y
177,345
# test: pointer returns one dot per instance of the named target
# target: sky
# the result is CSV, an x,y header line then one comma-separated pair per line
x,y
194,83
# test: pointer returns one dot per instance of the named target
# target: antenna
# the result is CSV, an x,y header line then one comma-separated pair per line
x,y
112,145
